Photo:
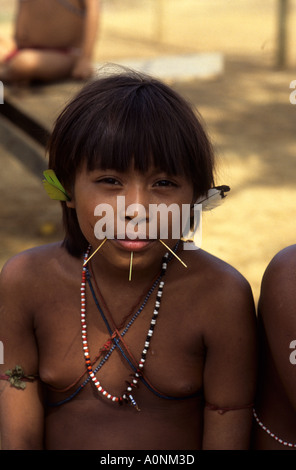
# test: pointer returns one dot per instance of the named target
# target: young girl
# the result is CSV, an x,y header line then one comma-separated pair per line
x,y
275,407
53,40
123,347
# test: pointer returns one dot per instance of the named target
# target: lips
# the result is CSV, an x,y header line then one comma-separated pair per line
x,y
134,245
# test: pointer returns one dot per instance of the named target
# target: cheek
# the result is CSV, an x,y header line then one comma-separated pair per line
x,y
96,219
86,218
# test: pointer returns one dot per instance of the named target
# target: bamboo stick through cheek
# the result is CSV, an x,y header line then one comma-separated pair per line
x,y
131,266
179,259
105,239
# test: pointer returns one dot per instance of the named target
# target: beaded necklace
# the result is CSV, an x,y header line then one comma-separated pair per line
x,y
108,349
270,433
126,396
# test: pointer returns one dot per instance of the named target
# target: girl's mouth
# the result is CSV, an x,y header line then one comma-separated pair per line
x,y
133,245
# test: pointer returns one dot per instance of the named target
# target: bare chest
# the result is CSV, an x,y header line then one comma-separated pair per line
x,y
168,351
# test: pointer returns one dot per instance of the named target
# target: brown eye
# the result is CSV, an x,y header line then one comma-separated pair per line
x,y
165,183
108,180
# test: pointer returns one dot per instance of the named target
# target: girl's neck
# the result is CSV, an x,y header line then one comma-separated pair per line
x,y
110,277
120,296
120,269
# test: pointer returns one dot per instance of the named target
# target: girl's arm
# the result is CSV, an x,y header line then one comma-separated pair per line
x,y
277,310
21,410
21,417
230,368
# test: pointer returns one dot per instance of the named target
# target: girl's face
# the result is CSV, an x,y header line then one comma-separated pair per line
x,y
122,207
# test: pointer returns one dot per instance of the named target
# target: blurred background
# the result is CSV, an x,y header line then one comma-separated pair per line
x,y
246,108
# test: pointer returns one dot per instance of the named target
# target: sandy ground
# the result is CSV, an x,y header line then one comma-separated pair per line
x,y
247,110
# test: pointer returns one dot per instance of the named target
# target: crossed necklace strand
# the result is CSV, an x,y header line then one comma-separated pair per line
x,y
126,396
108,347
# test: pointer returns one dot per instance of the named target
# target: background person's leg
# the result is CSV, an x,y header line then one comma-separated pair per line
x,y
32,64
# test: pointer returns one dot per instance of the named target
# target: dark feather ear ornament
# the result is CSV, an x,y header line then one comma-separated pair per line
x,y
212,199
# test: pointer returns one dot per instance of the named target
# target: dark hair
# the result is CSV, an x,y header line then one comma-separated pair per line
x,y
123,118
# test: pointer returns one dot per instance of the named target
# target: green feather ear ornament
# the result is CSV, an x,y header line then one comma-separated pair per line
x,y
53,187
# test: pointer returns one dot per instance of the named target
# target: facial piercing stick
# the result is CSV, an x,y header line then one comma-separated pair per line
x,y
182,262
105,239
131,266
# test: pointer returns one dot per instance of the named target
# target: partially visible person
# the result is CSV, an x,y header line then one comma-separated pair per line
x,y
275,407
53,40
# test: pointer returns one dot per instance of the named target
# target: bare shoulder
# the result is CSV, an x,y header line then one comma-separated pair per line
x,y
218,276
27,261
227,295
277,294
20,273
282,267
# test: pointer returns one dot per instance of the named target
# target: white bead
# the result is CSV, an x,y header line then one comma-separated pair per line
x,y
84,333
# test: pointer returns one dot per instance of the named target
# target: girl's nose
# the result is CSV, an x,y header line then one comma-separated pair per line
x,y
136,203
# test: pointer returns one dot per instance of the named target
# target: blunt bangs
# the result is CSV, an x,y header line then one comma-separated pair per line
x,y
128,119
